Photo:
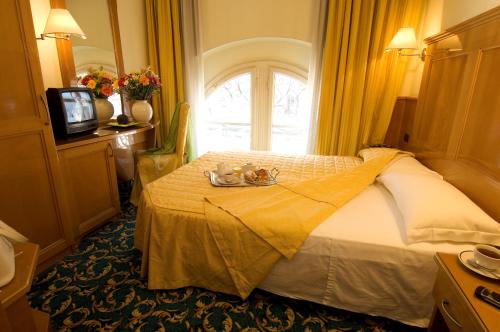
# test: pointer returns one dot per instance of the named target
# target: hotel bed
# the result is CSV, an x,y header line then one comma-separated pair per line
x,y
371,255
357,259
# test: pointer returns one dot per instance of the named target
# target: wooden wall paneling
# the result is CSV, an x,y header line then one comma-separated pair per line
x,y
398,133
394,131
445,80
29,172
462,141
481,132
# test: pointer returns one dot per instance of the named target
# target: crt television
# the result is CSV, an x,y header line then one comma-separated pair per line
x,y
72,111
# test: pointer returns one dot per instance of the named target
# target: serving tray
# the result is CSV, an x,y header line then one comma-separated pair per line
x,y
125,125
212,175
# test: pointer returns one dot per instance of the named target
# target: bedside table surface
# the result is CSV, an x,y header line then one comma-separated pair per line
x,y
468,282
26,260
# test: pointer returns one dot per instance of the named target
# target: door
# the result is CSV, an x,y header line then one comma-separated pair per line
x,y
91,187
29,171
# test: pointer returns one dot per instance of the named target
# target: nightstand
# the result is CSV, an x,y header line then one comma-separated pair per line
x,y
15,312
456,307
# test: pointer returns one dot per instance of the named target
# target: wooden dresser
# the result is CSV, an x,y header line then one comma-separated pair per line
x,y
457,309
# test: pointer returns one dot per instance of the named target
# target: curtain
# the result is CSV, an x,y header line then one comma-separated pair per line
x,y
165,57
360,81
314,75
193,68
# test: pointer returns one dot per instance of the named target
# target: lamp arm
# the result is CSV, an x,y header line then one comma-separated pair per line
x,y
422,54
43,36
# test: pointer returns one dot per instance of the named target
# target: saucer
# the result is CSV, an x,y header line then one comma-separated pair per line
x,y
467,255
231,180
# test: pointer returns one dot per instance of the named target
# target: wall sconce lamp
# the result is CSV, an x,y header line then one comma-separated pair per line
x,y
405,39
61,25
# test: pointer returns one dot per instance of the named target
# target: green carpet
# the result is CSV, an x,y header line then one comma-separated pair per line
x,y
99,289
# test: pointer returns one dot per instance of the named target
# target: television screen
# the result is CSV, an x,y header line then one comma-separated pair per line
x,y
78,106
72,111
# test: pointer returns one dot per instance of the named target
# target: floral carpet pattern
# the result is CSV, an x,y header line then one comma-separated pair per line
x,y
99,288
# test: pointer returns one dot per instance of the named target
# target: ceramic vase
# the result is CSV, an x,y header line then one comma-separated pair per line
x,y
142,111
104,108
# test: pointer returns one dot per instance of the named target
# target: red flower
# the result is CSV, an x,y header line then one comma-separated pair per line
x,y
85,79
107,90
122,80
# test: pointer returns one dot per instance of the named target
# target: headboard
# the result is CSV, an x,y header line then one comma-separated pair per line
x,y
456,129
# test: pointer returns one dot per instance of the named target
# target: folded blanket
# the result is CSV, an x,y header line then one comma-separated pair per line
x,y
254,228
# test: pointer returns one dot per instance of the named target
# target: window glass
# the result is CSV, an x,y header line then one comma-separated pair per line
x,y
290,115
228,114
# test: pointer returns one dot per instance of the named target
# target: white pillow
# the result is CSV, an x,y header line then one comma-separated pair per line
x,y
406,164
434,210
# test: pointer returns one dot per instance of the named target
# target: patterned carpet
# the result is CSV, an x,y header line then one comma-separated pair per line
x,y
99,289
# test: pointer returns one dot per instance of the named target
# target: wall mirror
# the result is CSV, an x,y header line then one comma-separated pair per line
x,y
99,20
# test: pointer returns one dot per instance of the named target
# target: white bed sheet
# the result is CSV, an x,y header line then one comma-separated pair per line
x,y
358,260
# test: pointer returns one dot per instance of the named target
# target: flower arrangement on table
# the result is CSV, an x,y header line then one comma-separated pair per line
x,y
140,85
102,83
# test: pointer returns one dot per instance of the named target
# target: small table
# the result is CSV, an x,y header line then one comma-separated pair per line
x,y
457,309
15,311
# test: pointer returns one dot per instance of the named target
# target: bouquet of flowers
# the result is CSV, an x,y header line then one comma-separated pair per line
x,y
102,83
140,85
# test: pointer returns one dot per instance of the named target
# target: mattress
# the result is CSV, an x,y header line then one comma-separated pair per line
x,y
358,260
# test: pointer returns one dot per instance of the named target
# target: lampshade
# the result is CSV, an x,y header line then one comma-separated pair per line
x,y
404,38
61,22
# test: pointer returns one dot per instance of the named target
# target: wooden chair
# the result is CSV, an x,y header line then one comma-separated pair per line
x,y
151,167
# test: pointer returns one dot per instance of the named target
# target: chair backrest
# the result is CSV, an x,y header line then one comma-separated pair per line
x,y
180,146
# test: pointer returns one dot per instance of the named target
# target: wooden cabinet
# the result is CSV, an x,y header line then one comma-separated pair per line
x,y
29,171
91,190
90,166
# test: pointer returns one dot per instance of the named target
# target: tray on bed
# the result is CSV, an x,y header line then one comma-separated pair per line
x,y
216,182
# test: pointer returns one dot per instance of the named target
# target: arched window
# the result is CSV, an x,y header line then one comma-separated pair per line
x,y
261,106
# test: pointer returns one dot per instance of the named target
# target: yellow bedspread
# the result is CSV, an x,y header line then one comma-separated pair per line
x,y
230,241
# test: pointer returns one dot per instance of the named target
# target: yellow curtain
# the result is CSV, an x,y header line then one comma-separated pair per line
x,y
359,80
165,57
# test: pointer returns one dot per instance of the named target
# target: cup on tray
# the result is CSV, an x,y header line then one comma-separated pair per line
x,y
248,167
223,169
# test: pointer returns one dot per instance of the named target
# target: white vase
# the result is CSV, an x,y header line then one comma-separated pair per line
x,y
104,108
142,111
